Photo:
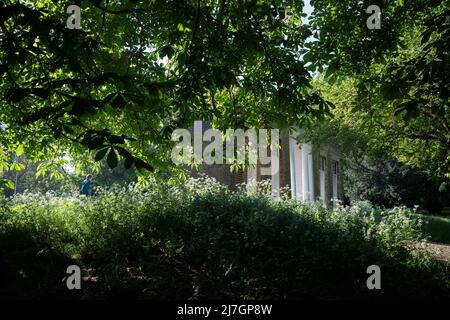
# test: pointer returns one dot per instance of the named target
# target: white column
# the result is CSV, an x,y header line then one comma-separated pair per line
x,y
322,174
251,174
298,171
310,175
335,196
305,179
275,170
251,178
292,154
335,183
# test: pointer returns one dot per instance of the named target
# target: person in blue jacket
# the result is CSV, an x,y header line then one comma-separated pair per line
x,y
86,187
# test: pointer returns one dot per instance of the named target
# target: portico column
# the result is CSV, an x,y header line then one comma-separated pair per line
x,y
305,179
292,146
310,174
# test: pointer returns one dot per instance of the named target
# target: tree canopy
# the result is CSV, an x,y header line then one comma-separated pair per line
x,y
139,69
391,86
136,70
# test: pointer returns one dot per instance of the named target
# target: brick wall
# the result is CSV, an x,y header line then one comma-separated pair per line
x,y
223,174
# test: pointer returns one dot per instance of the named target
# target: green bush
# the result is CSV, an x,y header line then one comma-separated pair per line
x,y
197,239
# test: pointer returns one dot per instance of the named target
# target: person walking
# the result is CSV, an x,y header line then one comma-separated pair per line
x,y
86,187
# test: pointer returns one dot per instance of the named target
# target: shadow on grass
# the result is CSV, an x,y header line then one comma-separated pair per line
x,y
31,271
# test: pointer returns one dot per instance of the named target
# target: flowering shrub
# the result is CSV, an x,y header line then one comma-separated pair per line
x,y
198,239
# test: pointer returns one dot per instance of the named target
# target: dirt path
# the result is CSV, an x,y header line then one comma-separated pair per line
x,y
439,251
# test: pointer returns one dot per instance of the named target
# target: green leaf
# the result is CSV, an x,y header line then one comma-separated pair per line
x,y
100,154
7,184
167,51
81,107
16,166
19,150
10,184
143,165
124,153
95,142
443,187
3,166
112,158
426,35
116,139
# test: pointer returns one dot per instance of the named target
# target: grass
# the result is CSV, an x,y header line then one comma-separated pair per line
x,y
438,227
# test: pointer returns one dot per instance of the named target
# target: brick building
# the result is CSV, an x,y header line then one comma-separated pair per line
x,y
308,172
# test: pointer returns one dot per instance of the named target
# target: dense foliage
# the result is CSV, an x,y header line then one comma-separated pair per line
x,y
199,240
388,183
391,84
137,70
